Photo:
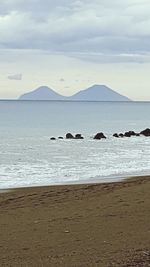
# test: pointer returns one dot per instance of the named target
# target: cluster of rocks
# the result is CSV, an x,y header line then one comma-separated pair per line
x,y
145,132
98,136
101,135
126,134
77,136
69,136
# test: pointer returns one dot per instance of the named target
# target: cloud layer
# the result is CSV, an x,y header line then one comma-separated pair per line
x,y
98,30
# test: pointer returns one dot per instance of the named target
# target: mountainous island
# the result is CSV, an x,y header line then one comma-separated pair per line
x,y
93,93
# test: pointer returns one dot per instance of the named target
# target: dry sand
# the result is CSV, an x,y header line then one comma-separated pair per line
x,y
77,225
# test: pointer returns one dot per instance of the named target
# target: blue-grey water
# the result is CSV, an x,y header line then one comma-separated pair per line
x,y
28,157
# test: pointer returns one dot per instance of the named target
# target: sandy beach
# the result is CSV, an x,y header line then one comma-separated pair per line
x,y
77,225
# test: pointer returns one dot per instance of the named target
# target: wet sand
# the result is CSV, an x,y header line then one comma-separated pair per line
x,y
76,225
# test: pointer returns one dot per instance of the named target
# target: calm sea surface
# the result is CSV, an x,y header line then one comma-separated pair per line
x,y
28,157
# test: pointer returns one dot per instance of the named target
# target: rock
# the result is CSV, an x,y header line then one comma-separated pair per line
x,y
116,135
145,132
99,136
137,134
60,137
121,135
133,133
52,138
67,231
78,136
69,136
129,134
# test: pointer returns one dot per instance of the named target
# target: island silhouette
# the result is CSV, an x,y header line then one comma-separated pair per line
x,y
93,93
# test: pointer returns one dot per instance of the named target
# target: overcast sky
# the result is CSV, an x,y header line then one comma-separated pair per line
x,y
69,45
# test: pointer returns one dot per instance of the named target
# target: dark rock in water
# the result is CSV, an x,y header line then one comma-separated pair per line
x,y
129,134
69,136
52,138
60,137
78,136
137,134
99,136
121,135
133,133
116,135
146,132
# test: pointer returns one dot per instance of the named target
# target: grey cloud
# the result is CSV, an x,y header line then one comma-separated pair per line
x,y
119,30
114,58
17,77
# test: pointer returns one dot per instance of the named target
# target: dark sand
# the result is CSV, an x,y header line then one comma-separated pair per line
x,y
77,225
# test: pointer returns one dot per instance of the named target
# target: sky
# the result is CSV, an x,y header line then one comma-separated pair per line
x,y
70,45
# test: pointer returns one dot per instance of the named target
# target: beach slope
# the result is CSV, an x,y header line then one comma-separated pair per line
x,y
77,225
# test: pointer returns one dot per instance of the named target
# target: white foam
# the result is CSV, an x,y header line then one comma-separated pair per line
x,y
41,162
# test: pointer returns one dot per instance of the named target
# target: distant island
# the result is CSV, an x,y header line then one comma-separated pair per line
x,y
93,93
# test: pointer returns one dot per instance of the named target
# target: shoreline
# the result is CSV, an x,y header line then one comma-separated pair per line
x,y
107,180
84,225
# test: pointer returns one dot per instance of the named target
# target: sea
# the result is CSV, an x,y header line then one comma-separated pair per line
x,y
29,158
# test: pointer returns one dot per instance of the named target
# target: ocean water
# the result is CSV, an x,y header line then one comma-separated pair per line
x,y
29,158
